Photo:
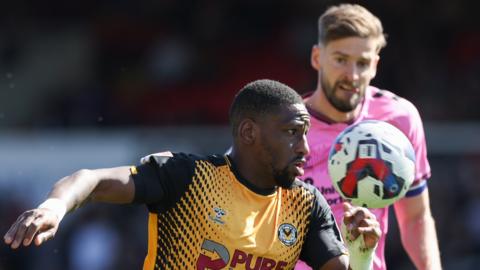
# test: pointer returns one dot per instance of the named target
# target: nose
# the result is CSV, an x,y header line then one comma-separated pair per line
x,y
352,73
302,146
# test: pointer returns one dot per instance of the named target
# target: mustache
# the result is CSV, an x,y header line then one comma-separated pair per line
x,y
299,159
348,83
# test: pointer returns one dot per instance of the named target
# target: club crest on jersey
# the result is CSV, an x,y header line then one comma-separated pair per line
x,y
287,233
218,214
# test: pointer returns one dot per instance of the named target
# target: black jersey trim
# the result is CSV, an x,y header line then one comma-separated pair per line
x,y
246,183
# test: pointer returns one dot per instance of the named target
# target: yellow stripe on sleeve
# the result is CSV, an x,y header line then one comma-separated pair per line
x,y
149,263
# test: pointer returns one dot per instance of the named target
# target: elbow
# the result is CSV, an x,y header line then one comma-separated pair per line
x,y
76,178
82,173
87,178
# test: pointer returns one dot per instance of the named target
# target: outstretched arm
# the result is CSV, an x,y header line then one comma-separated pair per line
x,y
113,185
417,229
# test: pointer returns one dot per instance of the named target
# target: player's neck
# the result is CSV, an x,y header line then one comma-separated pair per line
x,y
319,103
251,171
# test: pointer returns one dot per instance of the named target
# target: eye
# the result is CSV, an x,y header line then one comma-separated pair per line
x,y
363,64
341,60
292,131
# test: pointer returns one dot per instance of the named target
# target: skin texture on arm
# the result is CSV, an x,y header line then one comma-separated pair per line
x,y
113,185
417,229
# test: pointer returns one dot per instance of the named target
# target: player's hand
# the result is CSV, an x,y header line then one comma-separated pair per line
x,y
360,221
37,225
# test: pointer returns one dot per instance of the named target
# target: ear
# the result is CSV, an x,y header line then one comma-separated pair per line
x,y
374,65
248,131
315,57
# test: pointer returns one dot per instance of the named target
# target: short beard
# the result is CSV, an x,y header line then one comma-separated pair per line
x,y
338,104
283,178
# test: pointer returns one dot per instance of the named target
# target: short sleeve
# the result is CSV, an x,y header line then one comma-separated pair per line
x,y
324,240
411,124
162,179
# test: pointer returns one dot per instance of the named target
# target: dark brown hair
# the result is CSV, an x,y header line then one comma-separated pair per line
x,y
349,20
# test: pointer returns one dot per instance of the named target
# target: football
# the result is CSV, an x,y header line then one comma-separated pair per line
x,y
371,164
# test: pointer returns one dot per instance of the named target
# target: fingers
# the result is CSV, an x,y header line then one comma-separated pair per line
x,y
16,233
359,220
31,231
8,237
347,208
44,236
348,214
28,225
355,214
368,226
370,229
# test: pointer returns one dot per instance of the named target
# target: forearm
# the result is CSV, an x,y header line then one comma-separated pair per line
x,y
40,224
112,185
73,190
417,228
419,239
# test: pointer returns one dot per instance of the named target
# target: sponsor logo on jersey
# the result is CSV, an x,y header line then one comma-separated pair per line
x,y
216,257
287,233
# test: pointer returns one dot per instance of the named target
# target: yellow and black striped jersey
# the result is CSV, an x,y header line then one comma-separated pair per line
x,y
204,215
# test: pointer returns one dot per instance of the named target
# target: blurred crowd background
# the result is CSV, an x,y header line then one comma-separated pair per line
x,y
101,83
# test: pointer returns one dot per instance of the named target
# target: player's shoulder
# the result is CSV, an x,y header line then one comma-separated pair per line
x,y
311,195
308,188
162,158
388,97
388,102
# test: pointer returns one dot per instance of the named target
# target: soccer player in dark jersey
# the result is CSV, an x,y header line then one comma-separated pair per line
x,y
245,210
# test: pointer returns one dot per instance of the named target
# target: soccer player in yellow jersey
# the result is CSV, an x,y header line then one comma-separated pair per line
x,y
245,210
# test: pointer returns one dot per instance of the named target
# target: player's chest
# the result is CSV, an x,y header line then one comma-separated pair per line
x,y
255,230
320,141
